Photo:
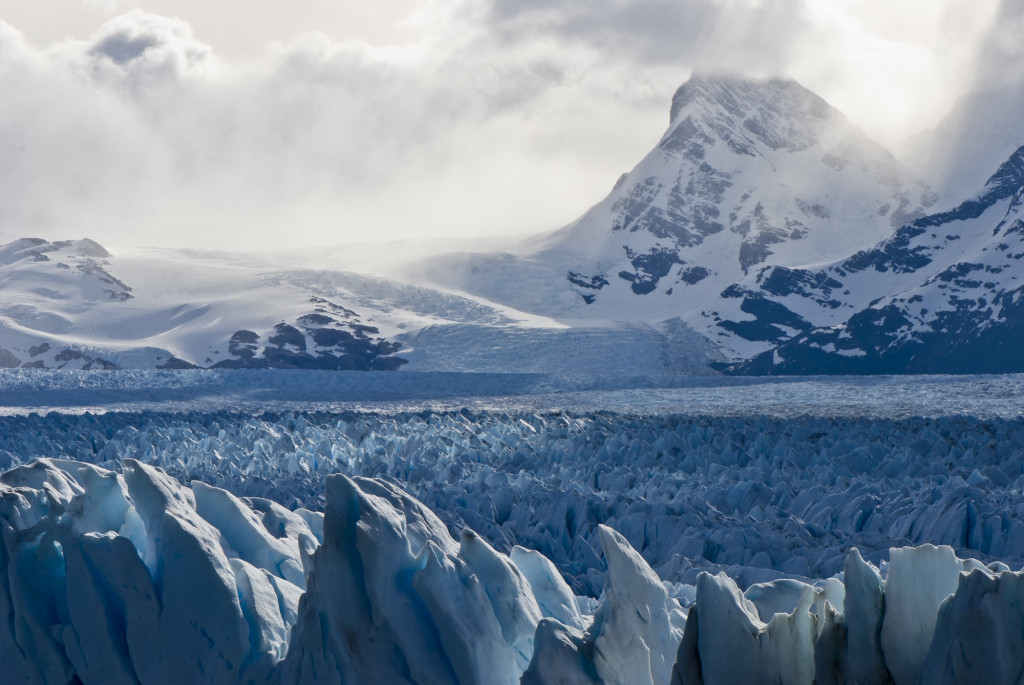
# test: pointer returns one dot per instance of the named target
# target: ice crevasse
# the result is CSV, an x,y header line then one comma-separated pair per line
x,y
131,577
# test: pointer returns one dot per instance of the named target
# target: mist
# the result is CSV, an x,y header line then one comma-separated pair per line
x,y
435,120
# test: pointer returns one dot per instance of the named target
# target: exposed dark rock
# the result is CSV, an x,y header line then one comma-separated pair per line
x,y
324,306
770,317
650,268
315,319
119,290
175,363
39,349
243,344
68,354
285,334
590,282
694,275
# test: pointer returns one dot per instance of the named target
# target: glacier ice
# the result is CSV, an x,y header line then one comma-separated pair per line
x,y
934,618
760,497
637,627
978,635
563,655
864,607
554,597
132,577
917,582
730,643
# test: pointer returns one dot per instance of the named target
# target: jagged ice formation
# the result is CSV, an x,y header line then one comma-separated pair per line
x,y
131,577
758,496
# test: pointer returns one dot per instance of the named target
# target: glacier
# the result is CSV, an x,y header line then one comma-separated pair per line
x,y
766,479
128,576
292,527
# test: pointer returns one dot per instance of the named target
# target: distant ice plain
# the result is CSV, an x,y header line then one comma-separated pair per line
x,y
24,391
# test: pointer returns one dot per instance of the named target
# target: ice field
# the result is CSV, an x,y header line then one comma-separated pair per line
x,y
602,516
24,391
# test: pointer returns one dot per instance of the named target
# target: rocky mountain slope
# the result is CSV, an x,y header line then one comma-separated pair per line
x,y
748,174
942,295
769,167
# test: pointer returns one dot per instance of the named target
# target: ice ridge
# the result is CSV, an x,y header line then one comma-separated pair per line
x,y
130,577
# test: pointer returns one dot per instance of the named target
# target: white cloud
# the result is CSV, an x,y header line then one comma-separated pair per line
x,y
1001,60
140,134
473,118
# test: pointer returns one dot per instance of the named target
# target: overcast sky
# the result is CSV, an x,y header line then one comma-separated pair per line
x,y
265,122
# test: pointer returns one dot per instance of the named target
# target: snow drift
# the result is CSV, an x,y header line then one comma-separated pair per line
x,y
133,578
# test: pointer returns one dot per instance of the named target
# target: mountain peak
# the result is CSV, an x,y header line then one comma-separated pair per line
x,y
779,113
36,249
727,91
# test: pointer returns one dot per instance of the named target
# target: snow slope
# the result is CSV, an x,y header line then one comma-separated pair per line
x,y
74,305
943,294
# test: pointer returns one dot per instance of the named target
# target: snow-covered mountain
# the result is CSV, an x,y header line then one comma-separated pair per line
x,y
766,222
942,295
761,222
76,305
748,174
71,304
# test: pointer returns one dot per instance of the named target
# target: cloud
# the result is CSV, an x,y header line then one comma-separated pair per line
x,y
154,42
142,135
653,31
495,117
893,67
1000,64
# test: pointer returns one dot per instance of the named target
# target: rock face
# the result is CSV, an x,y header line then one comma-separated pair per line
x,y
330,337
942,295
